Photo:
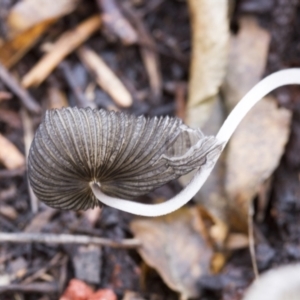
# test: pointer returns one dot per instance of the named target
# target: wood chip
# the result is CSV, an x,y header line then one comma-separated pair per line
x,y
66,44
10,156
105,77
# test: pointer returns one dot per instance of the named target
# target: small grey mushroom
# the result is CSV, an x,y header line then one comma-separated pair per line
x,y
126,156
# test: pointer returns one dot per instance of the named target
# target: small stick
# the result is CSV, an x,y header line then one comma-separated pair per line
x,y
38,287
66,44
48,238
105,77
251,240
28,102
148,53
43,270
116,23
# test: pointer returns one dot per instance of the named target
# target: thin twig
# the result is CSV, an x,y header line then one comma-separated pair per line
x,y
149,54
43,270
251,240
48,238
38,287
29,103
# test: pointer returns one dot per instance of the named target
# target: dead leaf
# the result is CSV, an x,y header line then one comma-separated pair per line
x,y
253,154
258,143
40,220
27,13
210,37
14,49
175,246
247,60
10,156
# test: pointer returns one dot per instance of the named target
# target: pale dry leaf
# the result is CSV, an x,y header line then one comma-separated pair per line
x,y
253,154
28,13
10,156
247,59
210,37
175,246
258,143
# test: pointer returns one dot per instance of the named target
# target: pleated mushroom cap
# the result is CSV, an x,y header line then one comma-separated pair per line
x,y
127,155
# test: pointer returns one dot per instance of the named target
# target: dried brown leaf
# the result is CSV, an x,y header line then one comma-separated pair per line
x,y
258,143
28,13
210,37
253,154
14,49
10,156
175,246
247,59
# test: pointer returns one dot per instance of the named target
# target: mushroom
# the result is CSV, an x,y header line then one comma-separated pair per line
x,y
80,156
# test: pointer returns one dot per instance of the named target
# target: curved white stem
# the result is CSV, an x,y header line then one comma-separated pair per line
x,y
265,86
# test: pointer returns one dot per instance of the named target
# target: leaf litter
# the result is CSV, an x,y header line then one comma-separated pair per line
x,y
186,248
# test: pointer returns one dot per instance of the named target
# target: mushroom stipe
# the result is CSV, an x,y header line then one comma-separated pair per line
x,y
80,156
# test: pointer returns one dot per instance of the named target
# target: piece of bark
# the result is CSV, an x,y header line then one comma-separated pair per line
x,y
10,156
87,263
66,44
115,23
105,77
